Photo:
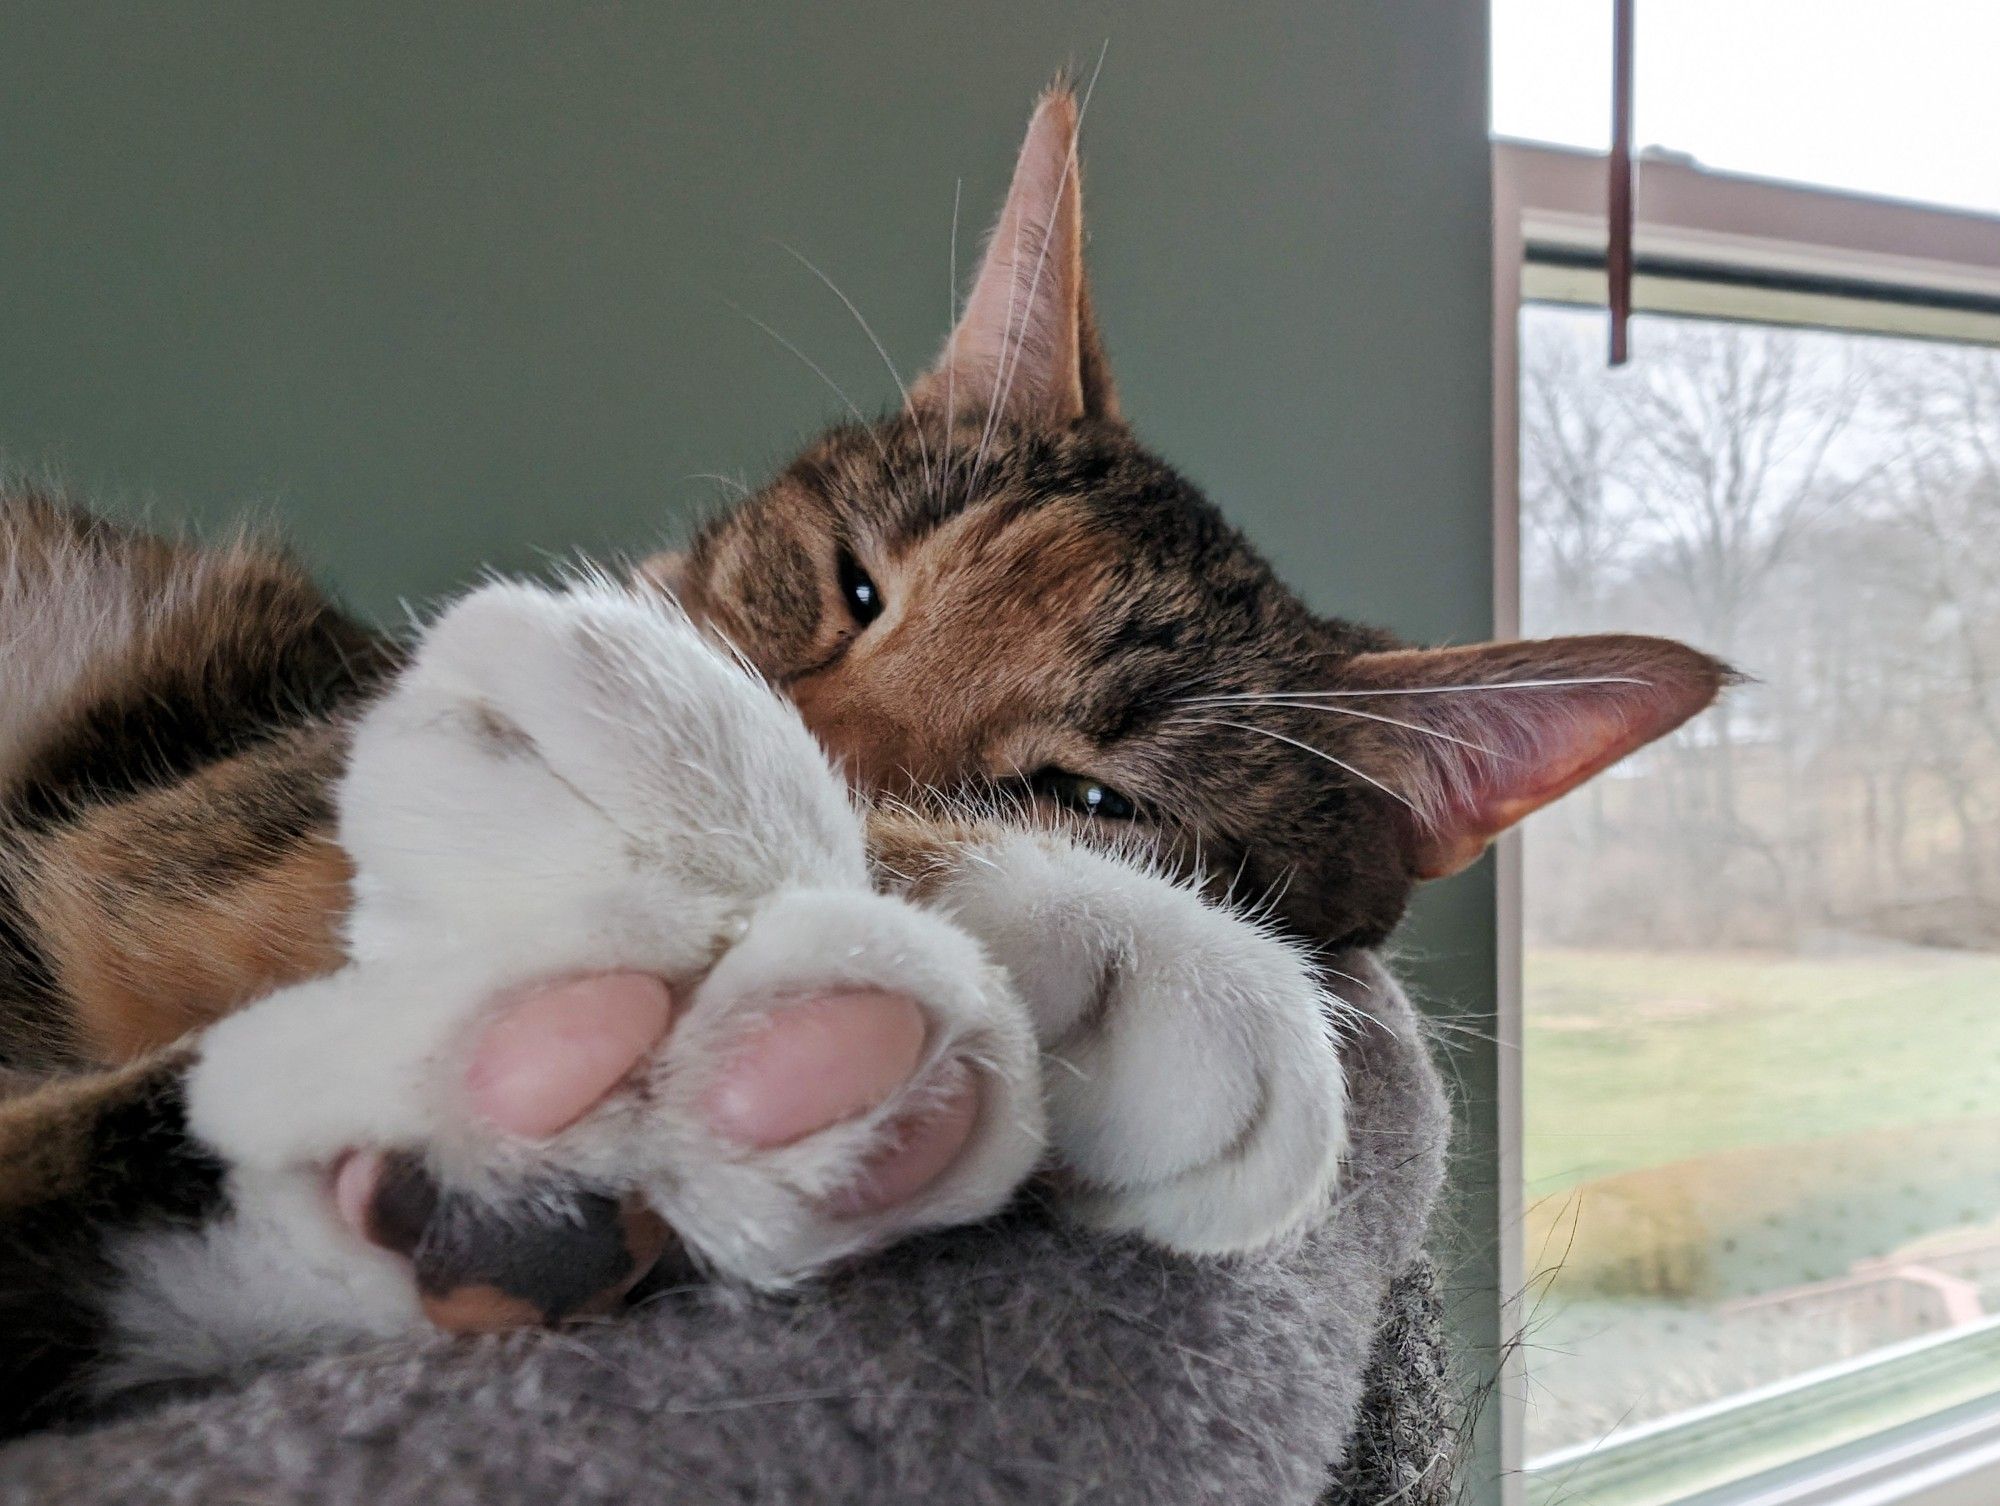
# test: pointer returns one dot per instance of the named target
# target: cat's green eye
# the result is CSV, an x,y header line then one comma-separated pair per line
x,y
858,590
1083,795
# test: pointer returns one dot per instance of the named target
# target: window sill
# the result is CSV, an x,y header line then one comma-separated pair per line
x,y
1918,1423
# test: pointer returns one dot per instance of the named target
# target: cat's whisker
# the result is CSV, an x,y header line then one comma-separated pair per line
x,y
735,485
1340,763
1068,1066
1452,689
1359,982
986,430
951,326
815,368
1345,1012
1264,910
923,450
1229,890
1300,703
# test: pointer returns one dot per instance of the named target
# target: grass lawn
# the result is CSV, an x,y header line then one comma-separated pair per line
x,y
1703,1127
1708,1125
1641,1059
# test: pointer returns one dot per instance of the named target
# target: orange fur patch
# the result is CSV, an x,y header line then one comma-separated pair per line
x,y
142,964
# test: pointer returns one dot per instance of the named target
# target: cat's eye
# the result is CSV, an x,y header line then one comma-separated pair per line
x,y
1083,795
858,590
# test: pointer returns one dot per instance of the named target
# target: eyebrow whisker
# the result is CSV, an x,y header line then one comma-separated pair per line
x,y
1365,716
815,368
1456,689
923,449
1339,763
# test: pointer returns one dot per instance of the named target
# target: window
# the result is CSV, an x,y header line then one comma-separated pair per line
x,y
1759,1009
1868,96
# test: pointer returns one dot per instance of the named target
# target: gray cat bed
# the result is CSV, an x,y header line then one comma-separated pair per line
x,y
1019,1362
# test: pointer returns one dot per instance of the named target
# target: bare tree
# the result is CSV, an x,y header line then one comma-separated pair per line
x,y
1824,510
1732,429
1575,506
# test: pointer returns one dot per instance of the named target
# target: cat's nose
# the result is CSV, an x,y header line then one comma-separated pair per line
x,y
870,753
881,747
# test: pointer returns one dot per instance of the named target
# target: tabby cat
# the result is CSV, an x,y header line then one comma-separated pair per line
x,y
347,984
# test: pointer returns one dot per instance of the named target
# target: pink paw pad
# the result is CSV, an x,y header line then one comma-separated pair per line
x,y
816,1064
554,1052
559,1048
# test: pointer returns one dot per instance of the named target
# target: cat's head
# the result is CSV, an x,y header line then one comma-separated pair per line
x,y
998,588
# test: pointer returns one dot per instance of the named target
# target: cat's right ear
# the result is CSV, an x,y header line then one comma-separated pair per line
x,y
1471,739
1026,345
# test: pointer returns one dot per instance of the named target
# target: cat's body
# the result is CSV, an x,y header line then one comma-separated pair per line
x,y
1035,650
555,783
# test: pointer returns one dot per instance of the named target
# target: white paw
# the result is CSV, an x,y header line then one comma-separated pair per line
x,y
563,785
1192,1079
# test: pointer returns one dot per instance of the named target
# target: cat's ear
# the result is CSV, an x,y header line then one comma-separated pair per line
x,y
1478,737
1027,342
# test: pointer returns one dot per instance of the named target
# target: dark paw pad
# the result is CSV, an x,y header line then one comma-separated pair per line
x,y
548,1255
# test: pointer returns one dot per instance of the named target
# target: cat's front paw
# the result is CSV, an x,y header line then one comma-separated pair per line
x,y
619,968
1191,1070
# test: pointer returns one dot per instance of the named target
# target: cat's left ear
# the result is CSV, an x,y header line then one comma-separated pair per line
x,y
1027,342
1473,739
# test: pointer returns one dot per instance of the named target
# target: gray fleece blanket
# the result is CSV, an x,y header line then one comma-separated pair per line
x,y
1022,1361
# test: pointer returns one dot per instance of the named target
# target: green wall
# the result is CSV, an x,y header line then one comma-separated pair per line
x,y
437,285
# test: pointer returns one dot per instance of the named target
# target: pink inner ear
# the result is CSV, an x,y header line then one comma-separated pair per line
x,y
1559,712
1018,343
1494,793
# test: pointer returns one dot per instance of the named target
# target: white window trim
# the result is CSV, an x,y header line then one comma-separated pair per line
x,y
1721,246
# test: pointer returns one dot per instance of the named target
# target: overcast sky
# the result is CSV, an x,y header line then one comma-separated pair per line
x,y
1897,97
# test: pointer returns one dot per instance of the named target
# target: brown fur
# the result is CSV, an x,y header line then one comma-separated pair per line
x,y
165,816
145,962
1055,598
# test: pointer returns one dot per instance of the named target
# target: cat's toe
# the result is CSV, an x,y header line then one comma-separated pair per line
x,y
585,757
556,1050
782,1126
559,783
1196,1094
857,1071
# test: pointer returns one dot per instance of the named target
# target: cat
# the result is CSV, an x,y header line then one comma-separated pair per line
x,y
975,743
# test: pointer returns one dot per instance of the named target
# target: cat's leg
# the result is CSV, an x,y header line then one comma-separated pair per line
x,y
169,735
557,786
1192,1073
85,1158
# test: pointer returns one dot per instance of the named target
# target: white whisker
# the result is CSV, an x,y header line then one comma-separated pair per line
x,y
875,340
814,367
951,325
1358,982
1338,763
1299,702
1456,689
993,399
731,482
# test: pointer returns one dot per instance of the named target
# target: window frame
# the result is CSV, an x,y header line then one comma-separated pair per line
x,y
1719,246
